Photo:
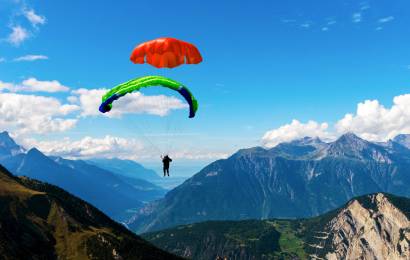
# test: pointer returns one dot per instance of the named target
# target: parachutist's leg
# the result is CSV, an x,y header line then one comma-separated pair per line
x,y
165,169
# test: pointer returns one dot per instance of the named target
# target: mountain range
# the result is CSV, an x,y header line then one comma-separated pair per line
x,y
126,168
375,226
42,221
298,179
116,195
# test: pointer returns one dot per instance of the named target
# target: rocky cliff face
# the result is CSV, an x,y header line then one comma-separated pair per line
x,y
378,230
370,227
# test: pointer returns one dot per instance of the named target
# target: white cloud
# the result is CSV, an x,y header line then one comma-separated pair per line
x,y
34,114
386,19
305,25
34,85
371,121
357,17
111,146
2,59
72,99
87,147
374,122
133,103
295,130
325,29
18,35
31,57
34,18
6,85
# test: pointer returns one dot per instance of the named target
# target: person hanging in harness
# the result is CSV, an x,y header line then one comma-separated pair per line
x,y
165,161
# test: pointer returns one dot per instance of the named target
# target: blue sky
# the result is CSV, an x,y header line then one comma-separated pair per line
x,y
266,63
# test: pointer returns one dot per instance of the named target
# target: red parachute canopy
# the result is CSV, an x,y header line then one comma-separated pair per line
x,y
166,52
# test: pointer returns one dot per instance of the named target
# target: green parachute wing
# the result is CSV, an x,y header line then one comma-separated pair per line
x,y
144,82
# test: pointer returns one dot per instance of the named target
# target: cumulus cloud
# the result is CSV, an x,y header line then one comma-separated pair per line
x,y
34,85
295,130
18,35
110,147
89,147
6,86
375,122
34,114
31,57
371,121
134,103
34,18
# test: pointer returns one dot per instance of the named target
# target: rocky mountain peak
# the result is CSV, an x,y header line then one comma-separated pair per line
x,y
403,139
370,227
5,135
34,152
351,146
350,138
8,146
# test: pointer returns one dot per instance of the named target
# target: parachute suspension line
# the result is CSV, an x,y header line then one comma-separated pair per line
x,y
148,128
167,121
169,129
141,133
150,81
169,133
161,53
170,126
175,129
145,132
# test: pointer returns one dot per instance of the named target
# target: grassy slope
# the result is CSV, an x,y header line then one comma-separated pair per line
x,y
270,239
45,222
256,239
